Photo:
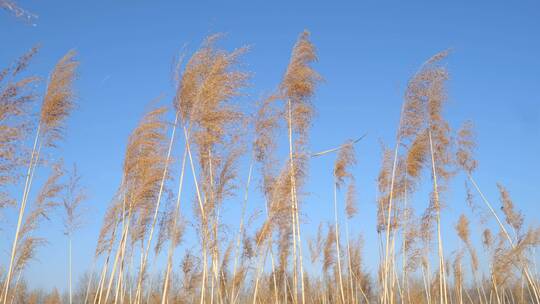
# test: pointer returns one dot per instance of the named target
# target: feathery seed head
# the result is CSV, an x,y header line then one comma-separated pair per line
x,y
344,161
351,203
462,228
59,98
299,82
466,145
514,218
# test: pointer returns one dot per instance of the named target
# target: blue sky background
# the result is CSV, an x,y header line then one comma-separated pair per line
x,y
367,51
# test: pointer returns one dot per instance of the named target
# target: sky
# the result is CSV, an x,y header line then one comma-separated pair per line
x,y
367,50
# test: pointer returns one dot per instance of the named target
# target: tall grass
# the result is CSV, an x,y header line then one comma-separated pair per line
x,y
219,146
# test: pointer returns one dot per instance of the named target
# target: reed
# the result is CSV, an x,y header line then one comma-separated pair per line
x,y
58,103
73,219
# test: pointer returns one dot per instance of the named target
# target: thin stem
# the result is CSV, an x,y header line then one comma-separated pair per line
x,y
241,228
391,195
173,244
293,205
70,263
21,212
442,276
337,245
203,216
156,211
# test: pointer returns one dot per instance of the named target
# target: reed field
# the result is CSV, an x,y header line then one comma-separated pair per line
x,y
163,238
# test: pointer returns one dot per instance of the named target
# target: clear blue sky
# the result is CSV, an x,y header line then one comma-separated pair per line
x,y
367,51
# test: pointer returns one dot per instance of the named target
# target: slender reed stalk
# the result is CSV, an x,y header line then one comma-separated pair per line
x,y
57,105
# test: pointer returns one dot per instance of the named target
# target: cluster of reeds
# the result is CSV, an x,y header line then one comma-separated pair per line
x,y
264,259
425,141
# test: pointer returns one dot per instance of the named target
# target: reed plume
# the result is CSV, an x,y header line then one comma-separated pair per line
x,y
513,217
299,83
487,238
383,186
72,201
463,230
329,252
466,144
58,101
417,156
16,98
46,201
351,201
344,161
